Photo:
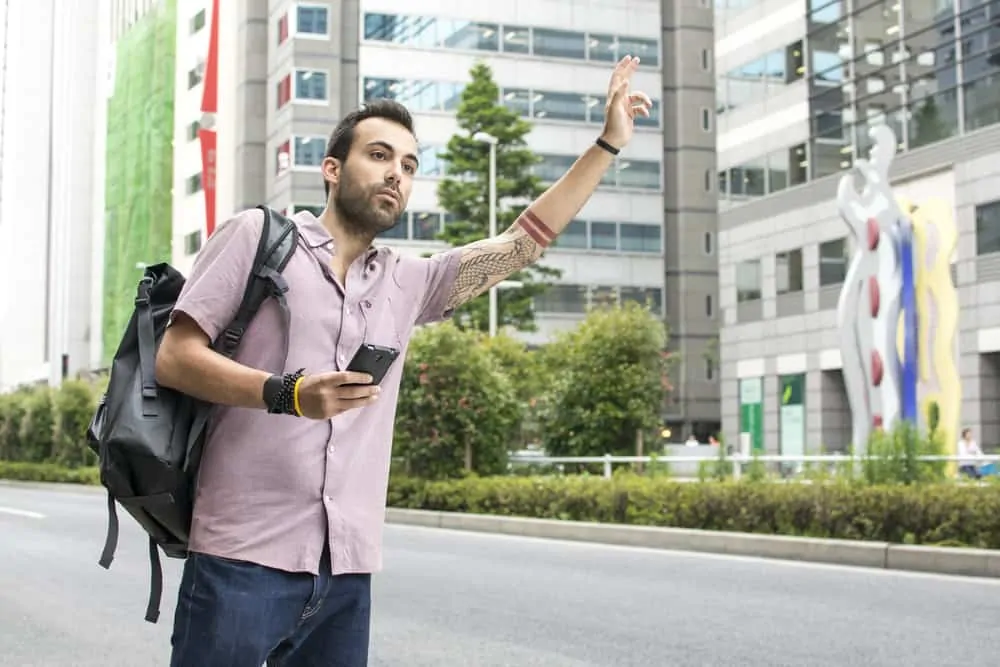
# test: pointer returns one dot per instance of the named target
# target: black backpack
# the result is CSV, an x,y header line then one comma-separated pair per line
x,y
149,438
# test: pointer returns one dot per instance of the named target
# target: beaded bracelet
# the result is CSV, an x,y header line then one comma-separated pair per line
x,y
286,401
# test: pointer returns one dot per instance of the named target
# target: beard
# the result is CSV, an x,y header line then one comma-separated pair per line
x,y
361,211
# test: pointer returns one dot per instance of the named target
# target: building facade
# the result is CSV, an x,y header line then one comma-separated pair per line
x,y
213,106
799,86
49,83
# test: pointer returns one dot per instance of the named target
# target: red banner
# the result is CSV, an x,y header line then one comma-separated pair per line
x,y
210,89
207,138
209,107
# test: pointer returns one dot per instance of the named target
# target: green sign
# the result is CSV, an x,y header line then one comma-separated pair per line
x,y
752,413
792,415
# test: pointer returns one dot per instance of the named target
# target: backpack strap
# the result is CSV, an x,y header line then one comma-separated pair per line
x,y
147,346
278,240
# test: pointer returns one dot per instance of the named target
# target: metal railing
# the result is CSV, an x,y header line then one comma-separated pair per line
x,y
608,461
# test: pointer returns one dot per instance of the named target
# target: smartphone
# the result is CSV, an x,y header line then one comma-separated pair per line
x,y
374,360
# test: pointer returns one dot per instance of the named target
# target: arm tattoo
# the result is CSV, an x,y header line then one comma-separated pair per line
x,y
487,262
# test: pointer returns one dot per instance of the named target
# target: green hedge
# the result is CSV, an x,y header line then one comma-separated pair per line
x,y
942,514
39,424
948,514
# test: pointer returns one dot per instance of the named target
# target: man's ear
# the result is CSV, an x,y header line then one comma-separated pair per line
x,y
331,168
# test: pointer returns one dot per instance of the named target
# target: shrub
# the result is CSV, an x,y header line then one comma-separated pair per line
x,y
927,514
457,411
39,424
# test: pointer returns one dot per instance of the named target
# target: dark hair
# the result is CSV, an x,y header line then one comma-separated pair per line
x,y
342,137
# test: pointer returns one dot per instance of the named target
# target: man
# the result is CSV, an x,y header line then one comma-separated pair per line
x,y
289,507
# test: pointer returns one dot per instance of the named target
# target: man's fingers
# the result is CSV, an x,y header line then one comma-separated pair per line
x,y
639,97
352,393
338,378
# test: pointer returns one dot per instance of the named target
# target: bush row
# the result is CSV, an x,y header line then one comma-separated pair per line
x,y
941,514
39,424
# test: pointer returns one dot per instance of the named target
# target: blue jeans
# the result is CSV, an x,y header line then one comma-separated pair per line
x,y
236,614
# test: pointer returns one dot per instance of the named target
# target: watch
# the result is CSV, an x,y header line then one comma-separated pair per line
x,y
272,389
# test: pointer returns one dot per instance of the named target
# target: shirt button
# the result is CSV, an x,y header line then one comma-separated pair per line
x,y
328,499
331,449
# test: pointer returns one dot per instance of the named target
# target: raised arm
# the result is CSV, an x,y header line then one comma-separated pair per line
x,y
487,262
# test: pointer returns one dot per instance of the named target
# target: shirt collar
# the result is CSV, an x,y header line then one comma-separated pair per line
x,y
315,235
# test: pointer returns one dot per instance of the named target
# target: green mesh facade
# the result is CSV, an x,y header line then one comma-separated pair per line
x,y
138,212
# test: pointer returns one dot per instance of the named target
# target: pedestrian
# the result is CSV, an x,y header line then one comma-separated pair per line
x,y
290,499
968,453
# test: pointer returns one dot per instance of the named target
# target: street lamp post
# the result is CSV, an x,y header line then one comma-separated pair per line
x,y
492,141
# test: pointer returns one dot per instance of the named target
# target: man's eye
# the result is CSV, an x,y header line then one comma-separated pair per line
x,y
410,169
378,155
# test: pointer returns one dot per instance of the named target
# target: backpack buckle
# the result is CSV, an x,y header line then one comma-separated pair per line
x,y
142,293
233,336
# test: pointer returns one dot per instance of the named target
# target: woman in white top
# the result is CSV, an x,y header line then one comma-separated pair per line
x,y
967,448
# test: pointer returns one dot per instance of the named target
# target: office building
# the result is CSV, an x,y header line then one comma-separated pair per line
x,y
212,107
799,86
49,90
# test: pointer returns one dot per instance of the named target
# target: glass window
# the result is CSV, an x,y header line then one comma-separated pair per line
x,y
468,36
309,151
398,231
640,238
603,48
982,102
749,180
559,106
312,20
574,236
829,51
988,228
603,236
603,295
192,241
825,11
788,271
430,163
833,261
198,22
517,100
596,103
650,297
933,117
798,165
310,85
562,299
516,40
748,280
777,171
426,226
639,174
745,84
552,167
647,50
559,44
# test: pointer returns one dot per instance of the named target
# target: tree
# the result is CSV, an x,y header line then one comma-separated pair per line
x,y
458,412
613,380
525,368
464,193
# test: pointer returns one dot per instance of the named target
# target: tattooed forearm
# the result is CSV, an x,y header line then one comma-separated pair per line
x,y
485,263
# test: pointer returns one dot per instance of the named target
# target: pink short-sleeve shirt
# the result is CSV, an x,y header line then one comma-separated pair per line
x,y
273,489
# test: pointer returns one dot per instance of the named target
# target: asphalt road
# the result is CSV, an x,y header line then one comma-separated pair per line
x,y
471,600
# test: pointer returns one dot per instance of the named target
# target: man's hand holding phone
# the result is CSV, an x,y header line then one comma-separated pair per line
x,y
327,395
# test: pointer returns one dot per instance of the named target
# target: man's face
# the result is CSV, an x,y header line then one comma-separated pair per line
x,y
371,188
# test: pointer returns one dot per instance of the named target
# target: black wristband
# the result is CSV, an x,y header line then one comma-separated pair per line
x,y
606,146
282,401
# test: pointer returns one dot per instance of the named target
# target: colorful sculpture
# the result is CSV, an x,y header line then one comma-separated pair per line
x,y
898,309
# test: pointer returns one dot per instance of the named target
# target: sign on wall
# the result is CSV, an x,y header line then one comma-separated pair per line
x,y
792,415
752,413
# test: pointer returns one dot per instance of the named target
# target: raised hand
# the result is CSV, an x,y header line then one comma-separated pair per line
x,y
623,104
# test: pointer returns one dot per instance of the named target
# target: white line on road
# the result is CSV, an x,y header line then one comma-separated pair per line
x,y
707,555
24,513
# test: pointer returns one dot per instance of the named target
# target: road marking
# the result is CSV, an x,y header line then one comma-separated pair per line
x,y
24,513
707,555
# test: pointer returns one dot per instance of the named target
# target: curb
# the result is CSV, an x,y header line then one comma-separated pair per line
x,y
881,555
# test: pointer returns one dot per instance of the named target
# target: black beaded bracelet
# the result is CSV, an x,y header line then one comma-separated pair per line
x,y
284,399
